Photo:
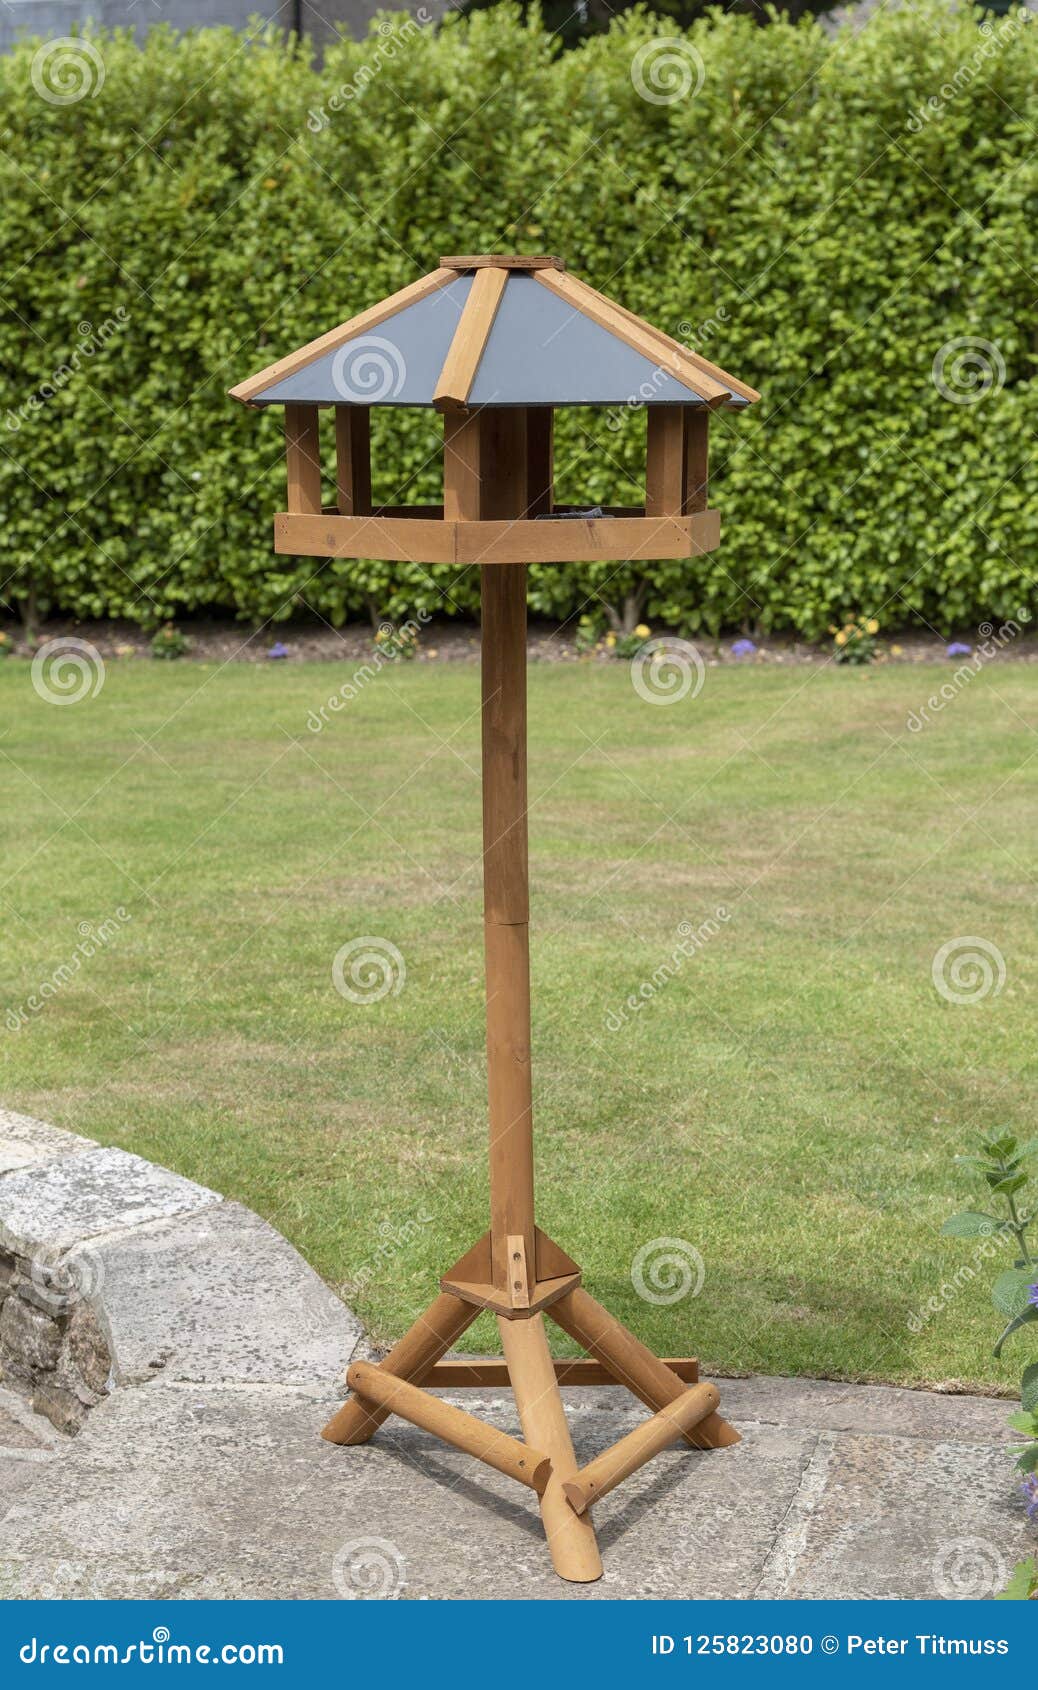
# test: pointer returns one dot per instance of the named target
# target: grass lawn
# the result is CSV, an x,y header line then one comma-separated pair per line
x,y
788,1103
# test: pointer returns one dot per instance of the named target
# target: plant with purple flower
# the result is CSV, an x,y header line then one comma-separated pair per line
x,y
959,648
278,649
743,648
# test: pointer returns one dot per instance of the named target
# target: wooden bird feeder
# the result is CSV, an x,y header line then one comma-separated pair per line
x,y
496,344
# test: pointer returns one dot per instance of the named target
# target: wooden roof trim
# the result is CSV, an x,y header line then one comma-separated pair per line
x,y
470,339
505,261
247,391
633,332
740,388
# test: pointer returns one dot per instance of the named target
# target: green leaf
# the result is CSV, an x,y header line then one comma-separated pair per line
x,y
970,1224
1022,1580
1011,1290
1029,1388
1029,1314
1023,1423
1006,1187
1027,1150
1027,1462
1000,1148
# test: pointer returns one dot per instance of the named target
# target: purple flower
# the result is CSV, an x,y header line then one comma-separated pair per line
x,y
1029,1492
278,649
743,648
1032,1295
958,648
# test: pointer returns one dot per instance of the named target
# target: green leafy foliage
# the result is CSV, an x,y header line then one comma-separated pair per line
x,y
216,203
1023,1582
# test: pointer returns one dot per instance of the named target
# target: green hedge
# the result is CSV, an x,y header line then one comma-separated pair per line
x,y
828,213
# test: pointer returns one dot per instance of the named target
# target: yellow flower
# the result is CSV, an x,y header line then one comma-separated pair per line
x,y
610,641
896,650
642,631
841,638
271,182
872,625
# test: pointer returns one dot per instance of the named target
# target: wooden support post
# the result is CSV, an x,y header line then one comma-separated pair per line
x,y
571,1536
664,460
614,1465
461,466
353,460
540,464
303,459
631,1364
412,1358
506,902
520,1461
697,446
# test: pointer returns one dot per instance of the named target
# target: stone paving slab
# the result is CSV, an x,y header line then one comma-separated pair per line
x,y
20,1429
57,1204
886,1517
24,1141
230,1492
219,1295
227,1493
829,1405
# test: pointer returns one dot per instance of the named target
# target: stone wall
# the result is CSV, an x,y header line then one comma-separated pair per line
x,y
52,1349
115,1272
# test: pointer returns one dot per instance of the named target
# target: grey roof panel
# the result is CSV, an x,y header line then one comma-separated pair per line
x,y
398,363
543,352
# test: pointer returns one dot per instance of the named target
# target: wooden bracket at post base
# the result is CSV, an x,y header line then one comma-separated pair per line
x,y
472,1279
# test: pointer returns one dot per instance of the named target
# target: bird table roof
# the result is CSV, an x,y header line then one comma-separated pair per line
x,y
495,330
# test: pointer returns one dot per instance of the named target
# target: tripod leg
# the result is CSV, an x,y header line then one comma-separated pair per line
x,y
631,1364
418,1351
571,1536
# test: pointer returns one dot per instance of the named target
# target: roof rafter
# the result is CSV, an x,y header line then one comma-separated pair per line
x,y
470,338
741,388
634,333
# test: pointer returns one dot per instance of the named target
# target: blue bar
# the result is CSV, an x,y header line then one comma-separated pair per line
x,y
518,1645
